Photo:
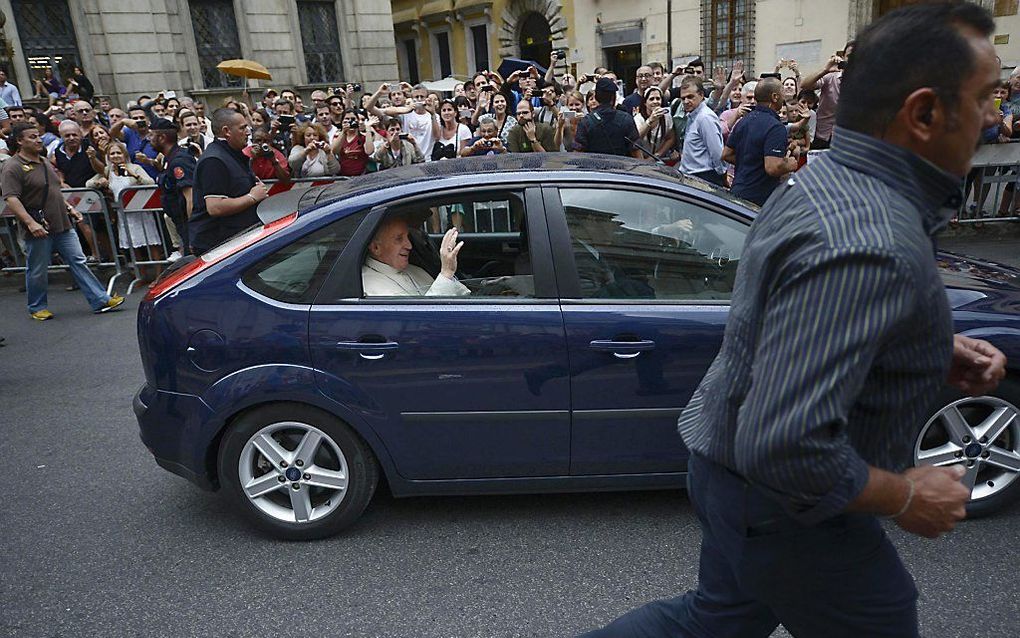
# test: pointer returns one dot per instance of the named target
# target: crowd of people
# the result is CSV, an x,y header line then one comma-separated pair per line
x,y
734,131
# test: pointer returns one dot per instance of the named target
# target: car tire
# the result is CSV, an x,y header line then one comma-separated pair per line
x,y
995,485
296,472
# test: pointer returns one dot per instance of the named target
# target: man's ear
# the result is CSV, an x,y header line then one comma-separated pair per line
x,y
922,114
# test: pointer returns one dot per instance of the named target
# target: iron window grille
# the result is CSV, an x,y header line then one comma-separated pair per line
x,y
320,40
727,34
47,37
216,40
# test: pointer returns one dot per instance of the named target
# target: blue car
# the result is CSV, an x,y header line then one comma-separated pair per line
x,y
597,292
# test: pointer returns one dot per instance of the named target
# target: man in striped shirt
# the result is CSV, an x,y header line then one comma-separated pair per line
x,y
838,339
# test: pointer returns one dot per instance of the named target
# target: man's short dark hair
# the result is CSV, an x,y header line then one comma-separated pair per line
x,y
911,48
656,65
808,96
222,117
17,134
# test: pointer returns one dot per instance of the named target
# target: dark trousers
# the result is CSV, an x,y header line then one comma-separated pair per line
x,y
759,567
712,177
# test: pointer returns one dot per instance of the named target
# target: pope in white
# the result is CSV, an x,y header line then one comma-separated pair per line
x,y
387,272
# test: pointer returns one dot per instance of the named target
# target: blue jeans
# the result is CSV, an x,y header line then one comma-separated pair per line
x,y
759,567
38,252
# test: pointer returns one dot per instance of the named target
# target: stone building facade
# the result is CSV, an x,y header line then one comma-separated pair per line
x,y
439,38
622,35
134,47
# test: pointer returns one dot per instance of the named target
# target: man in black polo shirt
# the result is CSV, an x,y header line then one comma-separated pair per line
x,y
606,130
226,192
71,159
758,146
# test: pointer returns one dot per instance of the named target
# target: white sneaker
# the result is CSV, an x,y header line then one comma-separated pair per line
x,y
174,256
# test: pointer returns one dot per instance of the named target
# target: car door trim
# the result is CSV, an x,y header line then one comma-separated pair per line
x,y
637,413
474,416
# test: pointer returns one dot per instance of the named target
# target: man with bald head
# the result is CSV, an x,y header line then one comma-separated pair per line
x,y
388,272
85,116
759,147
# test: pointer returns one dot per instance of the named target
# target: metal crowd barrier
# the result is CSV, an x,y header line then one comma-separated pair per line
x,y
92,205
996,166
145,204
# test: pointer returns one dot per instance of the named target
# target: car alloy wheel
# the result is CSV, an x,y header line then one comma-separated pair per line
x,y
981,434
293,472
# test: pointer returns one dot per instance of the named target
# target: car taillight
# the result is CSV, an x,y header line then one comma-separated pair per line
x,y
174,278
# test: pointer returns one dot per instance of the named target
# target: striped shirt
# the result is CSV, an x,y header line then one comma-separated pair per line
x,y
839,334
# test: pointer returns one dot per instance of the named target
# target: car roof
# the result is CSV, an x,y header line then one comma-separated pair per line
x,y
509,163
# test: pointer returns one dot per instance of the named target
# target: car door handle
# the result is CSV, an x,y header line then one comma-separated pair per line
x,y
622,349
373,351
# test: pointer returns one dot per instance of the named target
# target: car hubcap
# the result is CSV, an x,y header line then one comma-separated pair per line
x,y
982,434
293,472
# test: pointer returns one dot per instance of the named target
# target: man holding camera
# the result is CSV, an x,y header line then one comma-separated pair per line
x,y
401,149
226,193
419,119
31,188
828,81
606,129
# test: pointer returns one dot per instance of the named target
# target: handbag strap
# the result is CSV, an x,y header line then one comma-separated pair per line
x,y
46,188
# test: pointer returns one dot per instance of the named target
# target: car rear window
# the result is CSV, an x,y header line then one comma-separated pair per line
x,y
294,273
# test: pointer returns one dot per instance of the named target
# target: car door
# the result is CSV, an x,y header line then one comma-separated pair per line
x,y
645,277
459,387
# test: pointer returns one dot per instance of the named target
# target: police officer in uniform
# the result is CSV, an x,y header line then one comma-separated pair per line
x,y
226,193
607,130
176,181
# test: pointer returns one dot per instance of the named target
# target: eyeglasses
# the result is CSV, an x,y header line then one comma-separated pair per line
x,y
83,110
644,75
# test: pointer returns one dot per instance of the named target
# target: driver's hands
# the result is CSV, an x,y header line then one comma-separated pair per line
x,y
449,248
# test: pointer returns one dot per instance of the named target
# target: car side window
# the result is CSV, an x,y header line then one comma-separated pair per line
x,y
294,273
634,245
494,261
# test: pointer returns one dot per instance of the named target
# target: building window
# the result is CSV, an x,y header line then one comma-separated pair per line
x,y
320,39
47,37
411,57
479,42
442,67
216,40
727,33
1006,8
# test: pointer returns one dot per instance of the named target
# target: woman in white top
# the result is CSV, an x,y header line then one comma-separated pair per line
x,y
567,120
453,136
654,124
310,154
135,229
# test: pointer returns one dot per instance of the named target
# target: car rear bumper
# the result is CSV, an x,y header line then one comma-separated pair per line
x,y
171,426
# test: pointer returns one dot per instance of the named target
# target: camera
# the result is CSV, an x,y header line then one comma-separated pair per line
x,y
356,87
689,70
561,54
265,148
405,136
487,143
488,87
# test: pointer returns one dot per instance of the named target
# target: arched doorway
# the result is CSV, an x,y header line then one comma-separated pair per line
x,y
535,38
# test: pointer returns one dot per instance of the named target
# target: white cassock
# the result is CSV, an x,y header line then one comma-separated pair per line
x,y
383,280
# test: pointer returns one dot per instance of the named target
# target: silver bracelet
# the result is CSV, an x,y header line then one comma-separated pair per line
x,y
910,498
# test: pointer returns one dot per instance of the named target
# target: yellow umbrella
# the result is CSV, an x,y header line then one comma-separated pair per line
x,y
245,69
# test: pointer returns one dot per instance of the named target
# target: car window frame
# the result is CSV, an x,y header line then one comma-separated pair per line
x,y
343,286
568,281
